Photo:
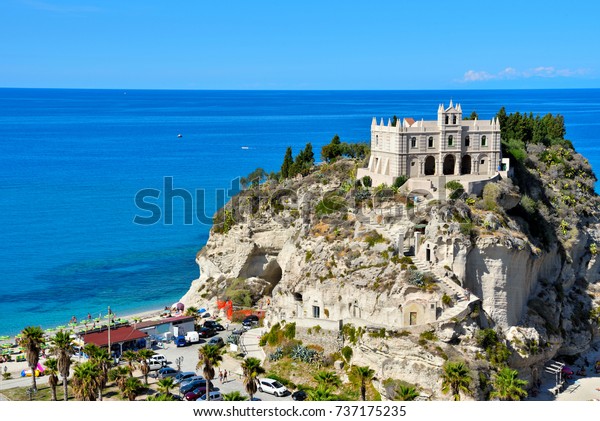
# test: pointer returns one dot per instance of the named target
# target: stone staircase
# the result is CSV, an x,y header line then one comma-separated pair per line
x,y
460,297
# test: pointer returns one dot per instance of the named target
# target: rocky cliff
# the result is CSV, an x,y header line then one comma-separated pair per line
x,y
327,250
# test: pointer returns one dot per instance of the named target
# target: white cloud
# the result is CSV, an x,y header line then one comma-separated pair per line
x,y
512,73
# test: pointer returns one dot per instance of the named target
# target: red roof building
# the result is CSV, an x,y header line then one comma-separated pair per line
x,y
120,335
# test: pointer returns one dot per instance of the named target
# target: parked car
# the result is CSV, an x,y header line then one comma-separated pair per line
x,y
154,365
159,358
206,315
180,341
189,380
211,324
299,395
250,321
197,392
217,340
180,377
165,372
215,395
190,387
273,387
192,337
206,332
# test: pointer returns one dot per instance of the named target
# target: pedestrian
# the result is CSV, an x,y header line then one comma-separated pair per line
x,y
225,376
227,326
220,375
468,293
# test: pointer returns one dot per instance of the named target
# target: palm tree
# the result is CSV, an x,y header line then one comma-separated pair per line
x,y
406,393
364,374
102,359
119,375
86,377
328,378
165,385
130,357
32,340
161,397
321,393
143,356
456,378
234,396
191,311
131,388
52,371
507,386
210,356
62,347
252,369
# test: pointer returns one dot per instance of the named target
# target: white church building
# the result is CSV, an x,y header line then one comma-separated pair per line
x,y
424,151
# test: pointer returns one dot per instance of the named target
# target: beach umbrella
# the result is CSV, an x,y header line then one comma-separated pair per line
x,y
202,310
178,306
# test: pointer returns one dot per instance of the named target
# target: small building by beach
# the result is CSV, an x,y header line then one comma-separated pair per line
x,y
121,339
168,327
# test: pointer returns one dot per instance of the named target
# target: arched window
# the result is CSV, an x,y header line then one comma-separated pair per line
x,y
430,142
450,140
376,140
446,119
483,141
413,142
467,141
453,119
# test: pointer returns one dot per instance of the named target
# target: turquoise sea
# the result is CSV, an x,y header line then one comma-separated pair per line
x,y
72,161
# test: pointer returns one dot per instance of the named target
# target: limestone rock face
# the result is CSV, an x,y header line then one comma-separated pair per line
x,y
349,266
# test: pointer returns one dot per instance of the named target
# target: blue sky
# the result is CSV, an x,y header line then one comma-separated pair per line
x,y
243,44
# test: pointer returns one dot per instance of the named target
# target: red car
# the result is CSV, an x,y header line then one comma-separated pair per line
x,y
197,392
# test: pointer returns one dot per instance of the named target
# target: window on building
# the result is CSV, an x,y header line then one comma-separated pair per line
x,y
413,318
450,140
412,164
453,119
446,119
376,140
430,142
316,312
483,140
413,142
467,141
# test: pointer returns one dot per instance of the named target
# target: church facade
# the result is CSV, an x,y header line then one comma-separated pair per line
x,y
449,146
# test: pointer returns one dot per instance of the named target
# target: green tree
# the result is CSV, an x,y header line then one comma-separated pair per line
x,y
132,388
320,393
210,356
456,379
406,393
52,373
161,397
288,161
32,340
251,369
234,396
328,378
165,385
119,375
472,116
62,347
130,357
333,150
508,386
143,355
364,374
254,178
102,359
86,378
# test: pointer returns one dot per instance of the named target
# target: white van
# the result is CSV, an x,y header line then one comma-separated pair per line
x,y
158,359
192,337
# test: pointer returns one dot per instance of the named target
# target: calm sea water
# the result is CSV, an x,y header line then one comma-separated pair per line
x,y
71,162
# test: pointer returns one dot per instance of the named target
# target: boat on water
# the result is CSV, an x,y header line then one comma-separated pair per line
x,y
179,135
245,147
